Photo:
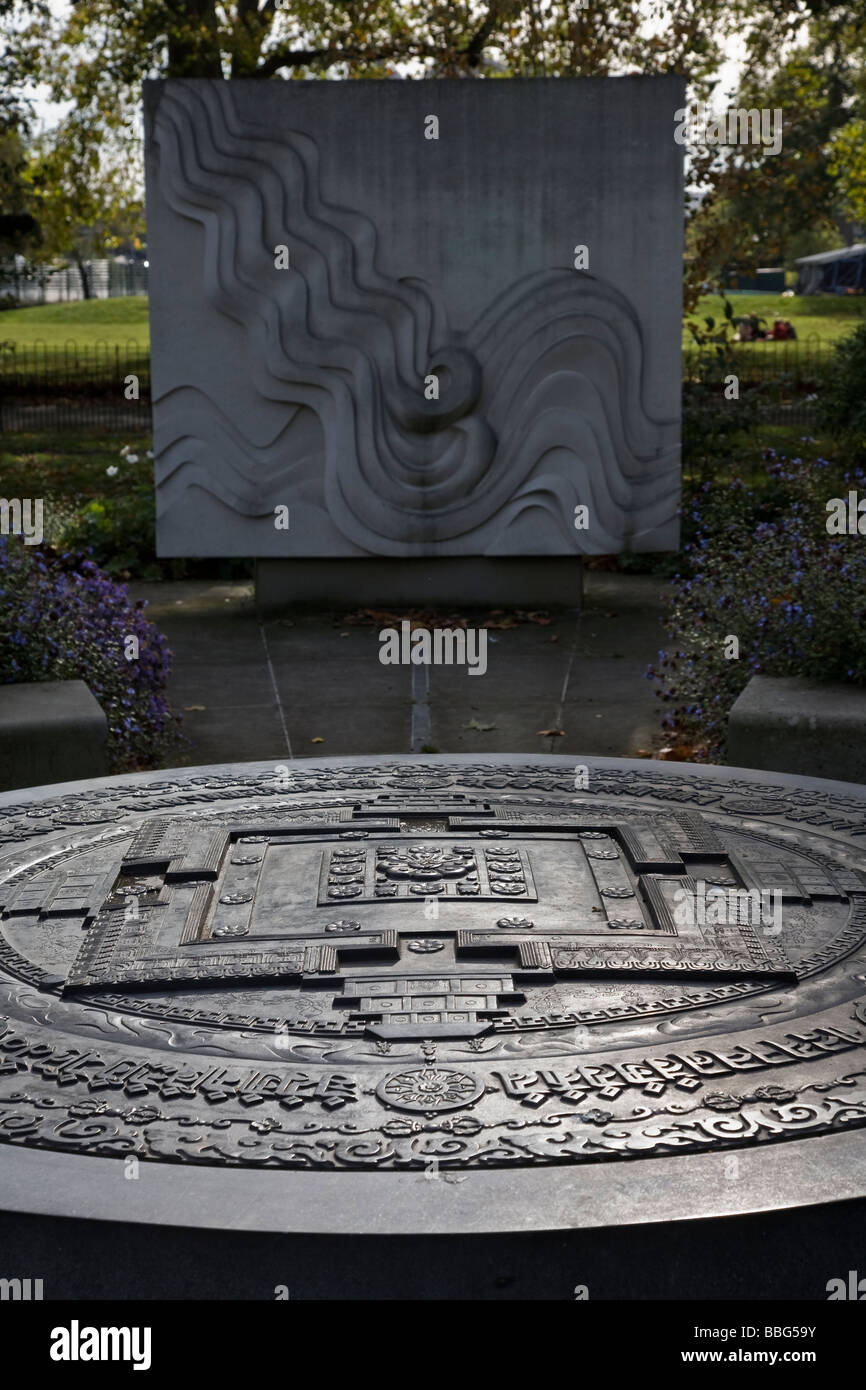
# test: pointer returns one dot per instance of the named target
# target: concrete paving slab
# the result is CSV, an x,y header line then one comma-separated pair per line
x,y
516,731
379,728
249,732
229,686
310,674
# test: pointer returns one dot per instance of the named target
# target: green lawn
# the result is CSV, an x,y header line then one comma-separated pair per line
x,y
112,321
68,466
818,318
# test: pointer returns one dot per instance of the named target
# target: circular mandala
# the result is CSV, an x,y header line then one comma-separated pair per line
x,y
348,1011
428,1090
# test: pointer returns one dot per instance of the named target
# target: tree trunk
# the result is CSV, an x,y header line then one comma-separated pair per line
x,y
83,275
193,44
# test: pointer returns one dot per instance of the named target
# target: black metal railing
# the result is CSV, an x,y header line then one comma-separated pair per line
x,y
104,280
76,385
97,386
799,363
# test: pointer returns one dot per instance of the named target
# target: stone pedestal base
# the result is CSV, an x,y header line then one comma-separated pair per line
x,y
50,731
787,724
473,582
767,1255
381,1086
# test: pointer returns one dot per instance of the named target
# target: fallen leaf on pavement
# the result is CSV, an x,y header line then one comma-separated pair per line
x,y
317,740
681,753
551,733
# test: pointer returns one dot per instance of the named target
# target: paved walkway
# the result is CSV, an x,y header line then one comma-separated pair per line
x,y
311,684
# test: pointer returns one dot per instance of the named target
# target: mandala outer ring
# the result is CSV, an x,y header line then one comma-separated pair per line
x,y
773,1175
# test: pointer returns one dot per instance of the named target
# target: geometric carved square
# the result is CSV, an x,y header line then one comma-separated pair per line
x,y
417,869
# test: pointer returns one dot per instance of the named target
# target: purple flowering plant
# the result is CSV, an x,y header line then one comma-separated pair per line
x,y
63,618
761,565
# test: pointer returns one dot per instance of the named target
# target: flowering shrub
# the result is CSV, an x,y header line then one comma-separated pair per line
x,y
62,618
113,518
843,402
762,567
118,528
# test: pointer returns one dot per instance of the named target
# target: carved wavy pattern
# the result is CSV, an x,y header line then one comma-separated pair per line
x,y
542,405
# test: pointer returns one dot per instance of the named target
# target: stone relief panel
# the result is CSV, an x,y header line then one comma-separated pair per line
x,y
307,387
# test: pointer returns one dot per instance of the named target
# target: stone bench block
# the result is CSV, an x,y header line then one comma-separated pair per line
x,y
50,731
789,724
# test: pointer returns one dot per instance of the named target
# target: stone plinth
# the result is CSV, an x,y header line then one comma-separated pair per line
x,y
787,724
517,581
370,345
50,731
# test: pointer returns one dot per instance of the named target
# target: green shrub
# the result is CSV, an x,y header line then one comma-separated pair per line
x,y
762,567
62,618
118,528
842,406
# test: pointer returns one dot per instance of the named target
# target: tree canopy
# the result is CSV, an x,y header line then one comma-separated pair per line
x,y
805,57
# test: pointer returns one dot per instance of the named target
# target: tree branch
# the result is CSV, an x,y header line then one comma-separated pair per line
x,y
475,46
327,57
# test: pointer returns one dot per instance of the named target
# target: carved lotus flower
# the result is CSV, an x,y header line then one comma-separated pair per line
x,y
722,1100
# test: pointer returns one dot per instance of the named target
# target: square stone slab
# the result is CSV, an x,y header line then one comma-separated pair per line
x,y
415,319
789,724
